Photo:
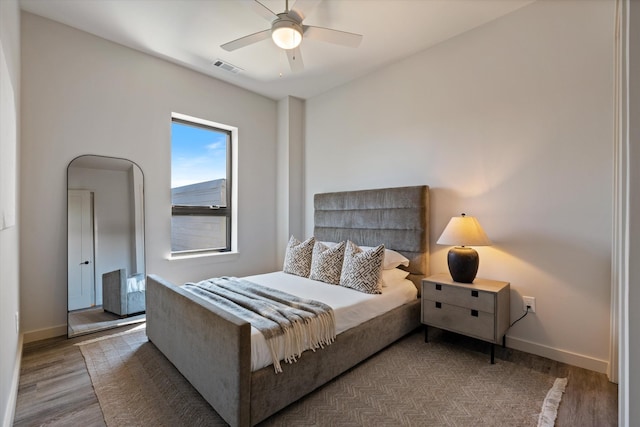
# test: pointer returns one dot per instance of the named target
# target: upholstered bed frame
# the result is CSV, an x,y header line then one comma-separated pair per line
x,y
212,348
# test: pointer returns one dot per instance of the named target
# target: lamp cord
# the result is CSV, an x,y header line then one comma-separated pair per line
x,y
504,337
520,318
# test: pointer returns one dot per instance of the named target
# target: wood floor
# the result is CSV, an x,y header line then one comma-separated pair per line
x,y
55,388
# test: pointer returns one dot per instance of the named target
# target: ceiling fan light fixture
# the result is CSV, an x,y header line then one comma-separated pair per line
x,y
286,33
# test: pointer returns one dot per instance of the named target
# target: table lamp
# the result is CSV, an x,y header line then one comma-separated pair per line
x,y
463,231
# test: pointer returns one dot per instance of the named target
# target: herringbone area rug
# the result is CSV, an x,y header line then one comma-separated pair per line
x,y
410,383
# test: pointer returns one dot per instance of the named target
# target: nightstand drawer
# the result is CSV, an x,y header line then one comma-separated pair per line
x,y
462,297
475,323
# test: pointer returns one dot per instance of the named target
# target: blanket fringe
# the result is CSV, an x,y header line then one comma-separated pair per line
x,y
312,333
551,402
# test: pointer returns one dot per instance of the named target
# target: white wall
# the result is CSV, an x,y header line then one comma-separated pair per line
x,y
511,123
290,176
84,95
9,246
137,220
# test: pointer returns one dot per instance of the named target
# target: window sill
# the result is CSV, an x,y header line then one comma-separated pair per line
x,y
214,256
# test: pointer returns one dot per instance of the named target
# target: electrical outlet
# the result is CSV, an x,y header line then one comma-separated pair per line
x,y
17,322
530,302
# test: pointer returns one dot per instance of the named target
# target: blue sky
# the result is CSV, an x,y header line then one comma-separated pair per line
x,y
197,155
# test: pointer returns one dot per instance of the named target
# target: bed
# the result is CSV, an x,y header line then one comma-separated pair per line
x,y
212,347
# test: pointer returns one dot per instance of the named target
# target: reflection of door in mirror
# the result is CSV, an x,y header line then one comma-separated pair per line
x,y
105,224
80,249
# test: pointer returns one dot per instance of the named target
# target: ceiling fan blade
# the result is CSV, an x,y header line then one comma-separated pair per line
x,y
328,35
302,8
260,9
246,40
295,59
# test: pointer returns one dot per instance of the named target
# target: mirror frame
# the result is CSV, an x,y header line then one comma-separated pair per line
x,y
125,320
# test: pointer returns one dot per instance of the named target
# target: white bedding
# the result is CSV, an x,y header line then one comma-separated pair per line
x,y
351,308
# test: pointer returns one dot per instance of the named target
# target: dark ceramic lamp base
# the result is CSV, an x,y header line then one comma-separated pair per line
x,y
463,264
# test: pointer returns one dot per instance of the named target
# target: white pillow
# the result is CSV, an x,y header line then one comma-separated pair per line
x,y
297,259
393,276
392,259
361,269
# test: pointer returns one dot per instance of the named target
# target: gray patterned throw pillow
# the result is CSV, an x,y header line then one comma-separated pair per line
x,y
326,263
297,259
361,269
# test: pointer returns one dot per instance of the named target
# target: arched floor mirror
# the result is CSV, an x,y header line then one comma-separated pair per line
x,y
105,244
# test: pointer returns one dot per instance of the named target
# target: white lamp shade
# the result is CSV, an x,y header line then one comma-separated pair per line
x,y
463,231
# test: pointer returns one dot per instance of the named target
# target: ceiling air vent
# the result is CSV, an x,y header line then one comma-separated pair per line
x,y
226,66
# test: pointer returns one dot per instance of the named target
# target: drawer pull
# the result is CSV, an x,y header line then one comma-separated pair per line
x,y
474,294
438,305
438,287
474,313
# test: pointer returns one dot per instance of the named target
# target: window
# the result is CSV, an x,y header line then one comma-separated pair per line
x,y
201,185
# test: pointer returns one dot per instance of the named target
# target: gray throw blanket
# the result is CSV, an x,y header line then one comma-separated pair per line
x,y
302,323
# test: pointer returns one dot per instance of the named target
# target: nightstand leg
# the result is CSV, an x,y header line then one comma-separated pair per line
x,y
493,353
504,341
426,333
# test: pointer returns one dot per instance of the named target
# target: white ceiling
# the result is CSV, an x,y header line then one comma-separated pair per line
x,y
190,32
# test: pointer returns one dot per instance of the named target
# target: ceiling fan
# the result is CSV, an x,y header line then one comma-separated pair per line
x,y
287,31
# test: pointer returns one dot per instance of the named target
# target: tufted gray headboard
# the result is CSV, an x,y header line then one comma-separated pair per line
x,y
397,217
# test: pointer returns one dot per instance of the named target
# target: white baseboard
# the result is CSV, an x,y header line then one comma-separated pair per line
x,y
575,359
15,383
41,334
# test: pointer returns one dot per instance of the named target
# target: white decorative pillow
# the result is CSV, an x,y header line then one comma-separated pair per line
x,y
392,276
361,269
326,263
297,259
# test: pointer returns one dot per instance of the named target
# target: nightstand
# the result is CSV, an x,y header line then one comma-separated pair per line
x,y
479,309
